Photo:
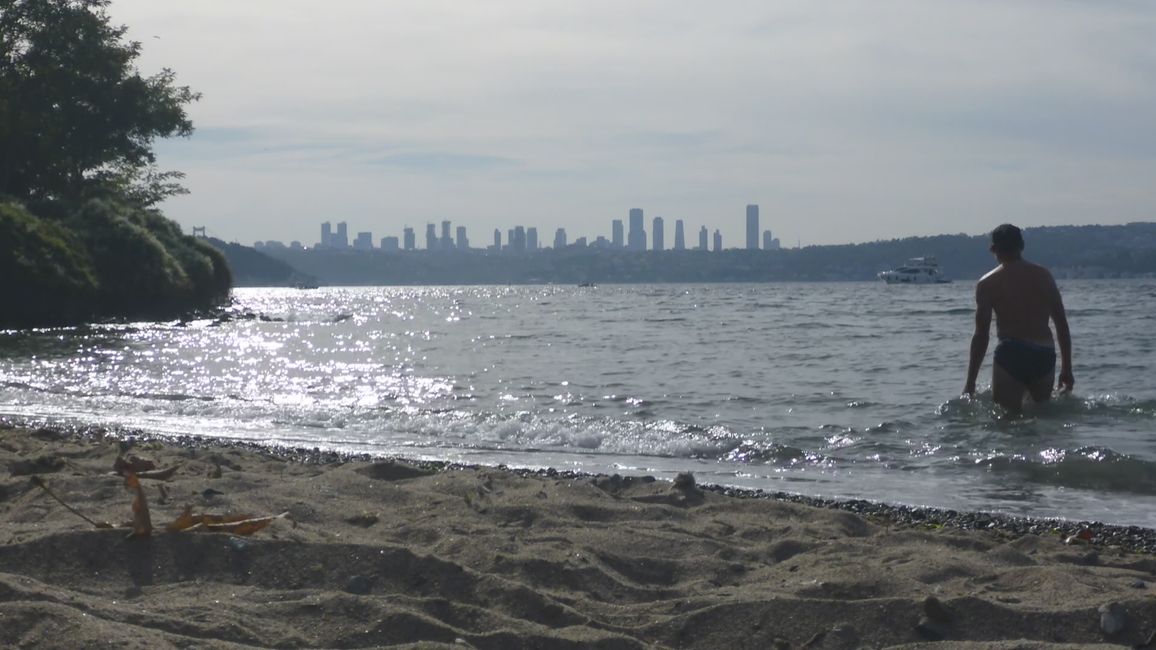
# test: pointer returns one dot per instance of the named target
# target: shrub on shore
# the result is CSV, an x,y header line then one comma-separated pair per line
x,y
102,260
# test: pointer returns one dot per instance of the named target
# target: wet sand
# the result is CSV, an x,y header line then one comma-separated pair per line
x,y
383,553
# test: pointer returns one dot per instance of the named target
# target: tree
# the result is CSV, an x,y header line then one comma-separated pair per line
x,y
77,118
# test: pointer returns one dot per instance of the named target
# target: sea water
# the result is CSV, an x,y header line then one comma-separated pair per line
x,y
842,390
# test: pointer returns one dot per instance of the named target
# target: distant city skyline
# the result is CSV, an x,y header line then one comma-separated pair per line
x,y
523,237
846,121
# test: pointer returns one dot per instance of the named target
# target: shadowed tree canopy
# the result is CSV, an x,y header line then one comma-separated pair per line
x,y
77,119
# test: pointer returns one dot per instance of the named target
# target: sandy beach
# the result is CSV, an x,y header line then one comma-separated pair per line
x,y
375,553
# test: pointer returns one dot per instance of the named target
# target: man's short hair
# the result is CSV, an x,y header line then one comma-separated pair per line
x,y
1007,238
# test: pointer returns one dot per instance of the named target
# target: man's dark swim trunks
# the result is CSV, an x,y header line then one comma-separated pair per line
x,y
1027,362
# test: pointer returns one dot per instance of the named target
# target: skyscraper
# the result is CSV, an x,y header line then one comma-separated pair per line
x,y
364,241
658,234
559,238
497,239
326,234
752,227
636,236
616,238
410,238
702,236
717,241
431,237
463,242
341,239
447,241
679,239
518,239
531,238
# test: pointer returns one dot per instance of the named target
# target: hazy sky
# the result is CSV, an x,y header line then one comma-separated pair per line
x,y
846,121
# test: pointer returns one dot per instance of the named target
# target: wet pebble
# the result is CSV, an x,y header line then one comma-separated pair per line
x,y
359,585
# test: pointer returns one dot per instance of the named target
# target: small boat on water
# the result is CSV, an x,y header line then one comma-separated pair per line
x,y
917,270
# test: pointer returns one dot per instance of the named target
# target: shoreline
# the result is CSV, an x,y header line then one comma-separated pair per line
x,y
1140,539
379,551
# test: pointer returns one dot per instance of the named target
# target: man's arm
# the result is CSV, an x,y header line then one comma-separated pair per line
x,y
1066,380
980,337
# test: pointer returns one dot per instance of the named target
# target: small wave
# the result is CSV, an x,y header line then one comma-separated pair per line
x,y
171,397
981,408
749,452
952,311
1089,312
1088,468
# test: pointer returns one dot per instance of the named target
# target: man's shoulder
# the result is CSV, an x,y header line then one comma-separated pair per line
x,y
990,277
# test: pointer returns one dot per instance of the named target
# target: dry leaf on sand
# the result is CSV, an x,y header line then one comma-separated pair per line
x,y
235,524
134,464
142,525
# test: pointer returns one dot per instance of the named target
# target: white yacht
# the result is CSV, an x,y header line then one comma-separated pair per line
x,y
917,270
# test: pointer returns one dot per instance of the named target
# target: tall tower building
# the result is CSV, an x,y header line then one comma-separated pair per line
x,y
497,239
531,238
431,237
679,239
636,236
410,238
518,240
342,238
447,241
463,242
752,227
616,236
326,234
559,238
658,234
702,237
717,241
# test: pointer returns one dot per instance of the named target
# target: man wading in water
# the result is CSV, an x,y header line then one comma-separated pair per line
x,y
1024,296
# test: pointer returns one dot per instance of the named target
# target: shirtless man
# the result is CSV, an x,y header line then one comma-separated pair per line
x,y
1024,296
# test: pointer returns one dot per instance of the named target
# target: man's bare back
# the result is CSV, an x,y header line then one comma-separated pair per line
x,y
1022,295
1024,298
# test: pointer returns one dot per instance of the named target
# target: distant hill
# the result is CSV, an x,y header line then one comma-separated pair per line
x,y
252,268
1071,251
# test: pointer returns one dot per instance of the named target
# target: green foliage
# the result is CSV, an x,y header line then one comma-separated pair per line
x,y
76,117
47,276
132,263
77,124
106,260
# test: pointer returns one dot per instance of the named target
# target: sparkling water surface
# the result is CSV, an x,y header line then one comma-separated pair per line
x,y
845,390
